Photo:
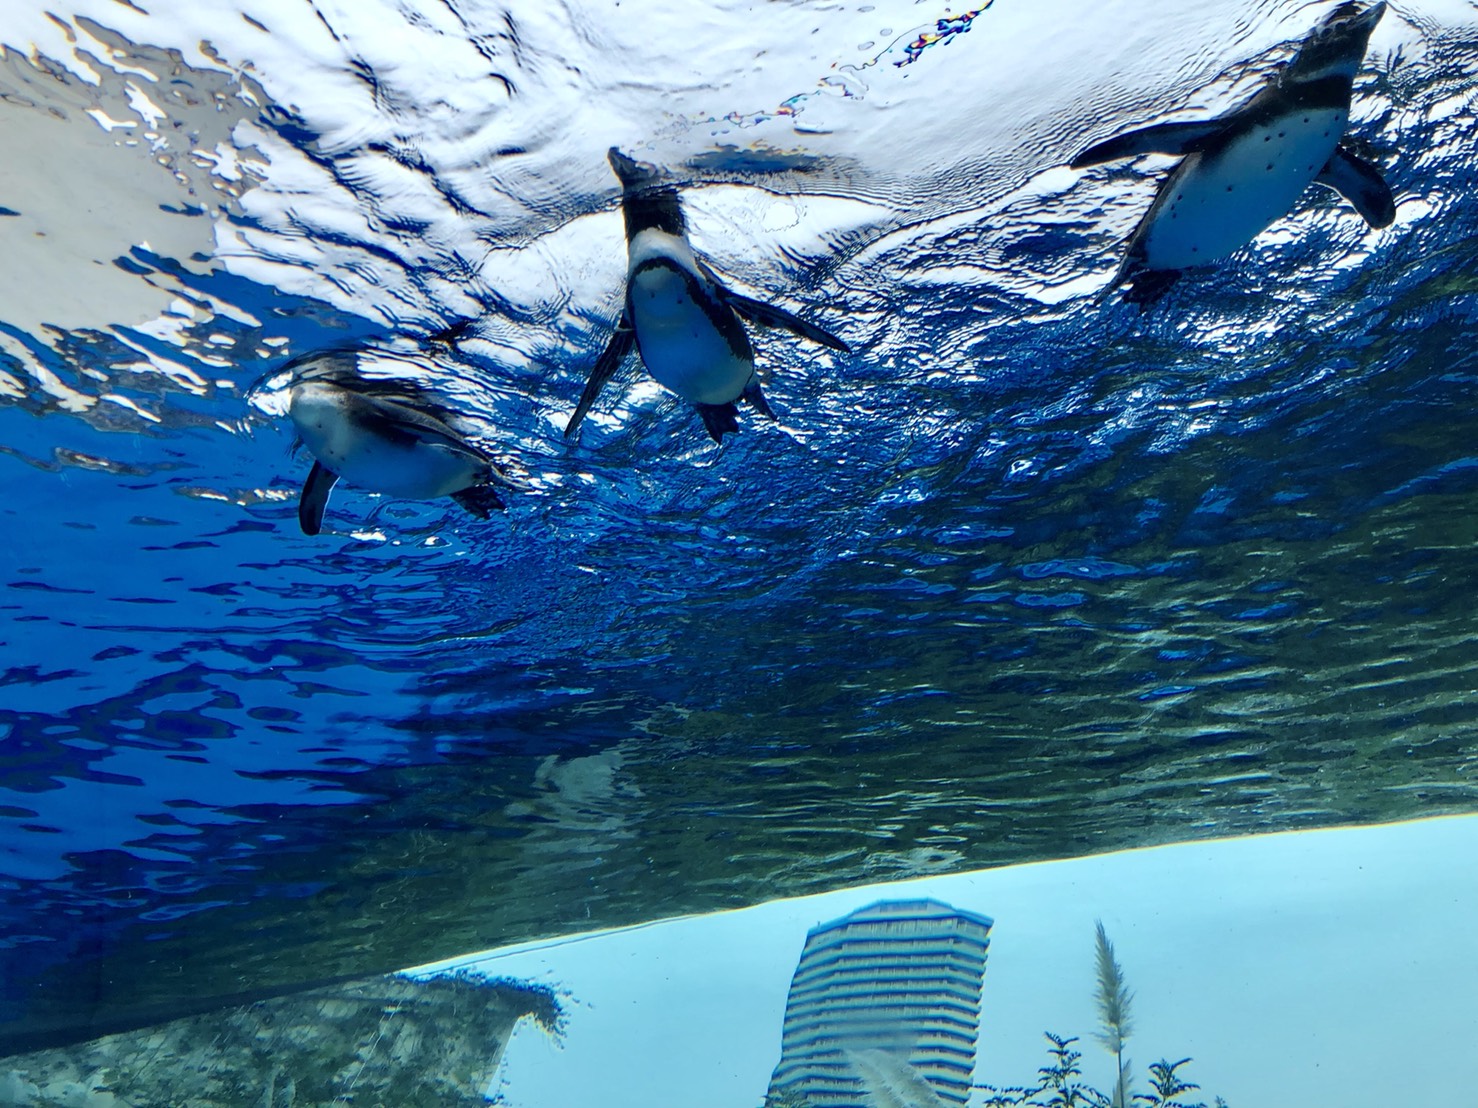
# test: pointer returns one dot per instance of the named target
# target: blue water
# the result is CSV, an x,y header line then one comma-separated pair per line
x,y
1027,575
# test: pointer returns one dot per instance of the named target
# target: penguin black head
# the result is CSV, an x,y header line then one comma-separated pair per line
x,y
646,202
1336,47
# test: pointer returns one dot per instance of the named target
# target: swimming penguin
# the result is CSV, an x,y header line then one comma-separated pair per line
x,y
384,436
1248,168
684,323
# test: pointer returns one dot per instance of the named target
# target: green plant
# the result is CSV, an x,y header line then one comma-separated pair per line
x,y
1058,1085
1168,1084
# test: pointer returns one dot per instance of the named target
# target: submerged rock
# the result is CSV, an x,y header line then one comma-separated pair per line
x,y
383,1041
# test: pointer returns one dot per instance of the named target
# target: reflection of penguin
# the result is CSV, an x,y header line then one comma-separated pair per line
x,y
682,321
382,436
1249,167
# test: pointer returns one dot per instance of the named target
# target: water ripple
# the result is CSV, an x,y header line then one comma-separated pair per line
x,y
1029,574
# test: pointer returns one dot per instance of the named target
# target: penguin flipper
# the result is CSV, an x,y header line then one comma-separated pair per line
x,y
314,499
720,419
1361,184
479,500
1162,138
767,315
606,365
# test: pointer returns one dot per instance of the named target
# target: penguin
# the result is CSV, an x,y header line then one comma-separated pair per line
x,y
384,436
684,323
1242,171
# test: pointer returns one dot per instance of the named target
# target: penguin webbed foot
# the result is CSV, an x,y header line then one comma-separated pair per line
x,y
720,419
756,400
480,500
1361,184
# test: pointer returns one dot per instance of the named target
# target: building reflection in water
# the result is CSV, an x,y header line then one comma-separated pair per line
x,y
884,1008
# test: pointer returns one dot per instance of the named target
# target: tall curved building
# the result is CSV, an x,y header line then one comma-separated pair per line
x,y
884,1008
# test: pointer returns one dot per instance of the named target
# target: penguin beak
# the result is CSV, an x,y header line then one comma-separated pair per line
x,y
630,172
1362,19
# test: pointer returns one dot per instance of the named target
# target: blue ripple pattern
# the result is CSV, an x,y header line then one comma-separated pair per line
x,y
1028,575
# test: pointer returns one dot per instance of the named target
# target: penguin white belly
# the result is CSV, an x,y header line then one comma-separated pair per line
x,y
419,472
415,470
679,343
1219,201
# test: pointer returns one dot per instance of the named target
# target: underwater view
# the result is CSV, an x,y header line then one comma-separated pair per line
x,y
788,553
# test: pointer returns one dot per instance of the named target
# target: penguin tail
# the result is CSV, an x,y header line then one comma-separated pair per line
x,y
480,500
720,419
1148,285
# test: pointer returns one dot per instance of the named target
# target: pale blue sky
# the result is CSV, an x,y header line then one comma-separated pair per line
x,y
1324,967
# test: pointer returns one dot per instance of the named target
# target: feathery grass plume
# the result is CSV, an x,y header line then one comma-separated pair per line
x,y
1114,998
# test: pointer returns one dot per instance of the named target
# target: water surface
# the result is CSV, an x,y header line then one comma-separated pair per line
x,y
1027,576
